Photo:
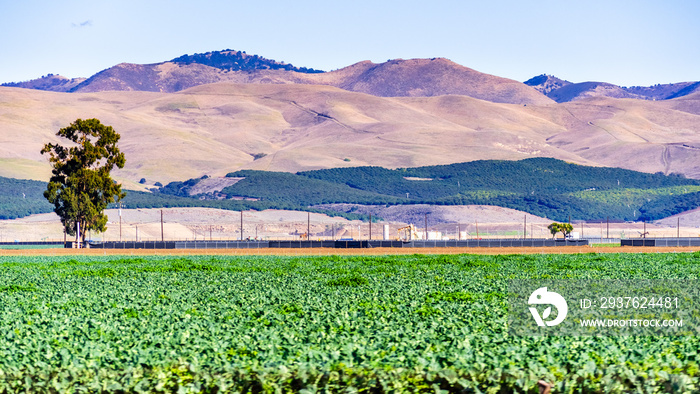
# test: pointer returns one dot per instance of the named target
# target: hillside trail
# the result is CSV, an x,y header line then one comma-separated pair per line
x,y
666,159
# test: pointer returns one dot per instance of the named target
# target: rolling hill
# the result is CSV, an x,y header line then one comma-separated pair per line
x,y
563,91
225,112
50,82
184,72
540,186
219,128
428,78
394,78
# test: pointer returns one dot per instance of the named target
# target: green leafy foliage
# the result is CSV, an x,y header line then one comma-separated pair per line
x,y
160,200
564,228
238,61
541,186
669,205
541,176
295,190
330,324
19,198
544,187
181,189
81,186
633,196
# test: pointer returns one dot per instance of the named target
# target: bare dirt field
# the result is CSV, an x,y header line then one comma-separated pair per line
x,y
344,252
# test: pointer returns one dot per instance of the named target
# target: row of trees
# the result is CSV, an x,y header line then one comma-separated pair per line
x,y
564,228
239,61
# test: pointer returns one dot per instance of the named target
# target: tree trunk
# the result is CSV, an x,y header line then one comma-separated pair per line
x,y
77,233
83,233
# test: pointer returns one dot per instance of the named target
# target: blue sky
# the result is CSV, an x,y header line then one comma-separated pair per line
x,y
624,42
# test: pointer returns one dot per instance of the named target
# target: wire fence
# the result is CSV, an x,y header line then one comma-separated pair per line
x,y
154,226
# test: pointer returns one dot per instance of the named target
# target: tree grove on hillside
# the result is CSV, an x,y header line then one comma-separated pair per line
x,y
81,186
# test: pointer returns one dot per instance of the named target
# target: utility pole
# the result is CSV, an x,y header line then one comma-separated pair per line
x,y
241,225
370,226
162,236
308,226
120,221
607,227
426,227
678,228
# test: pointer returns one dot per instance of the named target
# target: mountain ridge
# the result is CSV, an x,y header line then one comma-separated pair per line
x,y
563,91
50,83
394,78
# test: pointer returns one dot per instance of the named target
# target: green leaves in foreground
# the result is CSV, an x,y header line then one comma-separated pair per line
x,y
266,324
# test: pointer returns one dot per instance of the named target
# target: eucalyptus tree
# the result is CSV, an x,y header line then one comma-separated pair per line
x,y
81,185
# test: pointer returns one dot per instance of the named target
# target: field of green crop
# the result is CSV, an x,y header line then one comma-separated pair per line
x,y
333,324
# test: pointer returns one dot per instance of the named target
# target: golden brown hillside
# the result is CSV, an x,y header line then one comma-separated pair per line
x,y
218,128
394,78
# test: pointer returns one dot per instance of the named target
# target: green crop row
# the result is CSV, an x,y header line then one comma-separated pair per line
x,y
334,324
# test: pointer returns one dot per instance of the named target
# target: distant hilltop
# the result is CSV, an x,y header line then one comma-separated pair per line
x,y
394,78
49,82
562,91
230,60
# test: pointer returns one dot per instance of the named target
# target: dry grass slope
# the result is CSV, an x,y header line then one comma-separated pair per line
x,y
218,128
395,78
